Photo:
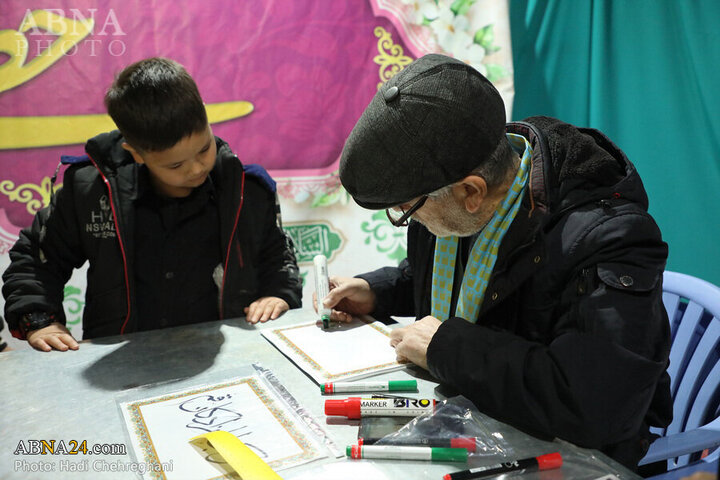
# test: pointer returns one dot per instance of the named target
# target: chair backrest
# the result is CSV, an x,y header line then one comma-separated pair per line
x,y
693,307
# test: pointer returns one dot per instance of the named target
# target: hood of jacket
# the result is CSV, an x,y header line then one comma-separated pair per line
x,y
572,165
107,151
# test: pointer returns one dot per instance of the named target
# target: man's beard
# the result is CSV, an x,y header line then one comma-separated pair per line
x,y
455,222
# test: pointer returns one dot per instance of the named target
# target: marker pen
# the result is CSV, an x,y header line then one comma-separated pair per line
x,y
322,288
543,462
468,443
356,407
393,452
386,386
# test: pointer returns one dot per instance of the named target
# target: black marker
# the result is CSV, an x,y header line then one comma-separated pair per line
x,y
543,462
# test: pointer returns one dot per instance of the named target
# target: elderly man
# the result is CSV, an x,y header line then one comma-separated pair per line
x,y
533,265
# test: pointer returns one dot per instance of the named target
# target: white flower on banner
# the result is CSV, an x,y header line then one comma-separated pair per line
x,y
447,26
422,10
459,32
453,36
473,56
301,196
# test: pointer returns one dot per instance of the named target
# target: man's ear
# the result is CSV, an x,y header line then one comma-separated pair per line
x,y
471,191
136,156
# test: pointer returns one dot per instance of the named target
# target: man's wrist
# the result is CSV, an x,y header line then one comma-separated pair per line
x,y
35,321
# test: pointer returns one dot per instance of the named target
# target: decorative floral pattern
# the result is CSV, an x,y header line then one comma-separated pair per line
x,y
8,233
300,189
337,196
390,240
26,193
452,28
391,57
73,303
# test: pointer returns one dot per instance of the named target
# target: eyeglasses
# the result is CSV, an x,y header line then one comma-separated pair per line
x,y
404,218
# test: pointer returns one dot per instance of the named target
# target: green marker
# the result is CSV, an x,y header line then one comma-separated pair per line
x,y
394,452
354,387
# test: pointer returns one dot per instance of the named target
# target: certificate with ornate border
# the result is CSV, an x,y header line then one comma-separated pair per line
x,y
161,426
353,350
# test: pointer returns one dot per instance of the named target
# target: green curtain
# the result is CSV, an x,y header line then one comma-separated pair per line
x,y
647,73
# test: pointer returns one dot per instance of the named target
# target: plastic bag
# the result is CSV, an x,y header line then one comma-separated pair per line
x,y
455,422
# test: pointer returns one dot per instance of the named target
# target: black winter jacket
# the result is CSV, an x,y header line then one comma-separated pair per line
x,y
91,218
572,339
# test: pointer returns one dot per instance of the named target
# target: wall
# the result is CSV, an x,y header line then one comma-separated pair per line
x,y
646,73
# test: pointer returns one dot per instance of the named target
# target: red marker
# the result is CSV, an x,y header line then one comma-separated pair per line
x,y
543,462
356,407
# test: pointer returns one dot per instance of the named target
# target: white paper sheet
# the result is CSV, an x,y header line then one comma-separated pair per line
x,y
345,351
160,428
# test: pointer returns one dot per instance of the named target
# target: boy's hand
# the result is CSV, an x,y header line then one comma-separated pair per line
x,y
54,336
265,308
348,297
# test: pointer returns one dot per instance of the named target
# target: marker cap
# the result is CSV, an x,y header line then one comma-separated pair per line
x,y
349,407
402,385
467,443
549,461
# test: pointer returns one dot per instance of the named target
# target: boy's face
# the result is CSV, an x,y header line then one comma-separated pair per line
x,y
175,172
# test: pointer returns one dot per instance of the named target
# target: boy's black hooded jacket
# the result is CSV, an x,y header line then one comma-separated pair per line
x,y
91,218
572,339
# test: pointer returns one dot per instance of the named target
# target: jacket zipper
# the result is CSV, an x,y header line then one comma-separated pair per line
x,y
120,242
582,286
229,248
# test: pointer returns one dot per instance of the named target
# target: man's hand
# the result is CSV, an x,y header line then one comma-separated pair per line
x,y
265,308
348,297
411,342
54,336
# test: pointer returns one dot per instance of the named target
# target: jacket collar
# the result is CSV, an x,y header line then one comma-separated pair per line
x,y
107,152
572,166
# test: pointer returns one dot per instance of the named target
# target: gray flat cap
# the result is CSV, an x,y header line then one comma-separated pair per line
x,y
427,127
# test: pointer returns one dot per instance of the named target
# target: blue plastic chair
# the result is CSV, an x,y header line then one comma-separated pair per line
x,y
693,307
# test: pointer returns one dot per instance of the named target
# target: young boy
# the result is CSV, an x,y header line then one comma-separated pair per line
x,y
175,228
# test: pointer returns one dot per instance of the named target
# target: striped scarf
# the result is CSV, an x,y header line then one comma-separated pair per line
x,y
484,252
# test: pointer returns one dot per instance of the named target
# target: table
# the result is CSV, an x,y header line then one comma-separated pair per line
x,y
74,396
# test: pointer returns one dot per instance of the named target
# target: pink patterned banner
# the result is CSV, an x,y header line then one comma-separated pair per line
x,y
284,81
